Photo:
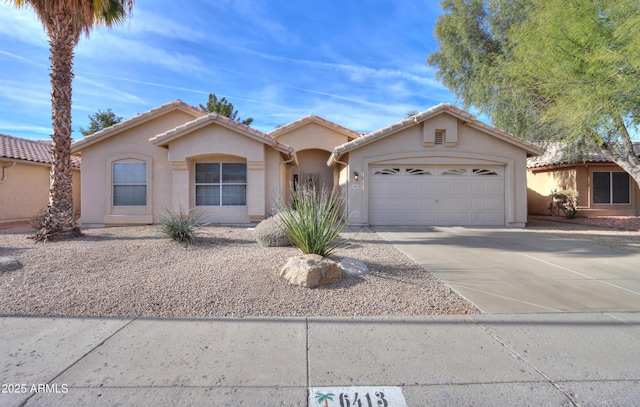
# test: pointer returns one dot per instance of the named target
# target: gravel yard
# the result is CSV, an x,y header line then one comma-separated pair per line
x,y
134,271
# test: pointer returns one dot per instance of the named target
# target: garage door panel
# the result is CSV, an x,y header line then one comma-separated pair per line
x,y
461,202
427,188
461,188
411,203
437,196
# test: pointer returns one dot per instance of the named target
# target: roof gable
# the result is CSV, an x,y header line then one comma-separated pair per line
x,y
313,119
163,139
135,121
442,108
37,151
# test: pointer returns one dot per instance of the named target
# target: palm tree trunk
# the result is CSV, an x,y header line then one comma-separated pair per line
x,y
60,217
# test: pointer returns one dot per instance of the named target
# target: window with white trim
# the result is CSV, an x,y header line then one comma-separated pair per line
x,y
611,187
129,181
221,184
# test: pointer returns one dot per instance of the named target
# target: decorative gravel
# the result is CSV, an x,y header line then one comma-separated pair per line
x,y
135,272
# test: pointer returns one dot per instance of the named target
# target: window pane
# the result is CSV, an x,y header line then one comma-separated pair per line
x,y
620,187
207,195
207,173
129,173
129,195
601,187
234,173
234,195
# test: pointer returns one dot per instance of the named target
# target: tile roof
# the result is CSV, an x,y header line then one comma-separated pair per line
x,y
38,151
134,121
313,119
564,153
164,138
426,115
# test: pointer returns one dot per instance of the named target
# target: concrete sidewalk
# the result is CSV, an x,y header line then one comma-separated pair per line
x,y
493,360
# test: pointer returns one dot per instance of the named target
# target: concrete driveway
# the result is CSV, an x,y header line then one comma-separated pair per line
x,y
519,271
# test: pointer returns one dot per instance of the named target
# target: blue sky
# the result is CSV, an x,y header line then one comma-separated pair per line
x,y
360,63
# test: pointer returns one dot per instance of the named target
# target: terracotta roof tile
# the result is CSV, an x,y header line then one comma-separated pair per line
x,y
426,115
567,153
38,151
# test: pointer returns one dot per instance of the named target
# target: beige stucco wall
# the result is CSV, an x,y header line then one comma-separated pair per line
x,y
313,143
24,190
215,143
131,144
465,145
578,177
313,136
540,184
314,161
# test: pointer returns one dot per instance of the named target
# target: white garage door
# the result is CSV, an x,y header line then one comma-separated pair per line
x,y
436,195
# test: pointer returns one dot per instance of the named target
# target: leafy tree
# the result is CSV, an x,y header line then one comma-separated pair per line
x,y
224,108
585,60
64,21
100,120
547,69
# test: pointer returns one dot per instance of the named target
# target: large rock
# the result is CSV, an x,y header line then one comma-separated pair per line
x,y
9,264
311,270
353,267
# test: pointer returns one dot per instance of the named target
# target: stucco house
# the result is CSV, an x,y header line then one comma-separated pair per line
x,y
604,188
440,167
24,178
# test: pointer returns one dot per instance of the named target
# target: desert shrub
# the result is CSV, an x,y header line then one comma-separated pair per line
x,y
180,226
271,232
315,224
38,221
569,202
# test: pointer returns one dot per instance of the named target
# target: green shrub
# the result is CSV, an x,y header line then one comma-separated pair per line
x,y
271,232
315,223
569,202
180,226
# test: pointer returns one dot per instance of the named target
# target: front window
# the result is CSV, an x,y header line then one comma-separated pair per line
x,y
129,184
611,188
221,184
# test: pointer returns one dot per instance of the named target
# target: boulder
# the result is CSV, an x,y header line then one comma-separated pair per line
x,y
9,264
353,267
311,270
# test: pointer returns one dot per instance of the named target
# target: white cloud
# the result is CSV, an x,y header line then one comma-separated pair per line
x,y
22,25
145,22
107,46
94,89
31,94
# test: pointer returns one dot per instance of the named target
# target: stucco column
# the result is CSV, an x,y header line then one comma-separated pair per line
x,y
256,190
180,186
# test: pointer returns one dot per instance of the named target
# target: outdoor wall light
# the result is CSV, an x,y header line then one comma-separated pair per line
x,y
355,175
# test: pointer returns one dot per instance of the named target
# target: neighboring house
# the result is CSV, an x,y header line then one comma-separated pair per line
x,y
604,188
440,167
24,178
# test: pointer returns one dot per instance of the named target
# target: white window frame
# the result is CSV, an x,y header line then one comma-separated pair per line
x,y
115,184
220,184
